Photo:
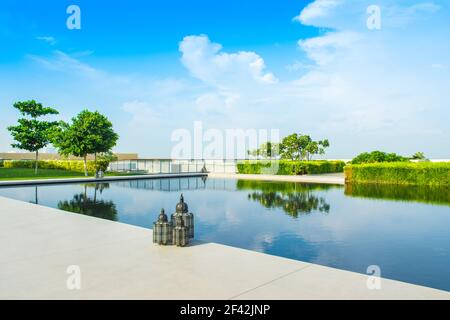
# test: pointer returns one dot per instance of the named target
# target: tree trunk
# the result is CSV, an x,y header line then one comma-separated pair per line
x,y
36,162
95,163
85,166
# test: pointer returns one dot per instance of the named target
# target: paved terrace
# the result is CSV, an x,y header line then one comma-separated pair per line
x,y
119,261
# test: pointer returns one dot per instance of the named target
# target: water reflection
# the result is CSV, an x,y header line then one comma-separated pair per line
x,y
424,194
89,205
292,204
293,198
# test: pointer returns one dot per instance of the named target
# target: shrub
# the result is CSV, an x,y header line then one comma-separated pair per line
x,y
377,156
103,161
1,163
405,173
289,167
69,165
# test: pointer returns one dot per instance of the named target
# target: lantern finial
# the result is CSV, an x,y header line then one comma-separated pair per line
x,y
162,216
182,206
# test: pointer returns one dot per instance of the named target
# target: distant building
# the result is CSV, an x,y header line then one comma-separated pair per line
x,y
56,156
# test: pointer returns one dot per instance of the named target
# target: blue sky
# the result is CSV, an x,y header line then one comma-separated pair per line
x,y
305,66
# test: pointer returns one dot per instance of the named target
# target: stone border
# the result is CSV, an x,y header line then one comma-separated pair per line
x,y
318,178
105,179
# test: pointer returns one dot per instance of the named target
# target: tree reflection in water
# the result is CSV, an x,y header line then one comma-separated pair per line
x,y
90,206
293,198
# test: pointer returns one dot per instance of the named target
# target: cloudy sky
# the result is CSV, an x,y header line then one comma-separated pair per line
x,y
298,66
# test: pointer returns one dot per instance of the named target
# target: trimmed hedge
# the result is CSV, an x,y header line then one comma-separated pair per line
x,y
404,173
69,165
288,167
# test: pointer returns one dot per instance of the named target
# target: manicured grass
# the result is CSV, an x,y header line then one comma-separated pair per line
x,y
25,174
28,174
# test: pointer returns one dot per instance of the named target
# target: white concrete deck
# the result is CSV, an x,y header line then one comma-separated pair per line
x,y
330,178
119,261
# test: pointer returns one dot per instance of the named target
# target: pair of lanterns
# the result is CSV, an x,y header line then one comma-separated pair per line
x,y
178,230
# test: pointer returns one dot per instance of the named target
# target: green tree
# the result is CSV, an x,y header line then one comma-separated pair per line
x,y
419,156
266,150
89,133
290,147
315,147
377,156
103,160
300,147
32,134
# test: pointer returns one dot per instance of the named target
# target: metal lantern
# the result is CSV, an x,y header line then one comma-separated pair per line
x,y
180,233
162,230
182,211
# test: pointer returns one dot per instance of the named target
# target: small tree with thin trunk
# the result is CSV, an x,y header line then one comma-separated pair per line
x,y
89,133
32,134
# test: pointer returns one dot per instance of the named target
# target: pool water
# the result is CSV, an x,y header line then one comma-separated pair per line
x,y
403,230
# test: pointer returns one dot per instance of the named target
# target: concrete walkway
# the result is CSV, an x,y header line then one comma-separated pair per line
x,y
105,179
330,178
119,261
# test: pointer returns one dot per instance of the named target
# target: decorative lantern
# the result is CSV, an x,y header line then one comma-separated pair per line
x,y
182,211
180,233
162,230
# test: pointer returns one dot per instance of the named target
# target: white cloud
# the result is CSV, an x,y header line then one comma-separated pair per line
x,y
49,39
221,103
398,16
376,84
206,62
316,9
141,112
325,48
63,62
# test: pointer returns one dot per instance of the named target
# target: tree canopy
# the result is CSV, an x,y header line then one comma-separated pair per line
x,y
301,147
293,147
32,134
89,133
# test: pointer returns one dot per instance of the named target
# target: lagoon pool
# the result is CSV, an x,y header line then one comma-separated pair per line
x,y
403,230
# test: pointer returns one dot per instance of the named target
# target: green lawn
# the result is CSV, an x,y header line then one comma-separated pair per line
x,y
28,174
